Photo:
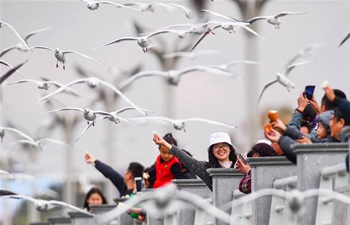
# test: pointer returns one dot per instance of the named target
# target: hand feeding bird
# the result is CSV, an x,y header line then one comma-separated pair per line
x,y
282,78
60,55
20,46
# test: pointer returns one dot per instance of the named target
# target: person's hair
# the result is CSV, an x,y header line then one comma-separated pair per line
x,y
170,139
93,190
338,115
262,149
307,125
151,179
136,169
328,104
214,162
309,113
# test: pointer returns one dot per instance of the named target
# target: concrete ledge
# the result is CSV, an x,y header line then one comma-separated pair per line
x,y
188,182
99,209
265,161
60,220
223,172
79,215
320,147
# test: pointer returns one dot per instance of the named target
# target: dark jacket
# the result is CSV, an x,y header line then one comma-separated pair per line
x,y
114,177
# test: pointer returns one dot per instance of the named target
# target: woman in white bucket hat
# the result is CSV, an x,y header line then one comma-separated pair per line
x,y
221,154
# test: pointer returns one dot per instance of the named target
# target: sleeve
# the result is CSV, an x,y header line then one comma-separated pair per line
x,y
152,172
296,120
245,184
294,134
112,175
177,172
285,143
197,167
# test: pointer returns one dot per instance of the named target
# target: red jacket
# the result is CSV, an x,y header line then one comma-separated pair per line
x,y
163,173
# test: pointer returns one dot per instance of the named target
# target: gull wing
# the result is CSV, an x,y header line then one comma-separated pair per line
x,y
303,52
160,32
118,5
242,61
52,141
66,108
210,121
187,10
291,67
288,13
43,47
116,41
131,108
18,35
3,52
81,134
219,15
203,36
88,57
35,32
266,86
205,68
252,20
344,40
24,81
6,192
18,132
160,119
11,71
65,205
252,31
117,91
141,74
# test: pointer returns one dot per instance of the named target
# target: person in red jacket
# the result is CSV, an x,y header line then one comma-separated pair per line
x,y
167,166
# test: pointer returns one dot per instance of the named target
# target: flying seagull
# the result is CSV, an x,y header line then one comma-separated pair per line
x,y
92,5
274,20
38,143
190,55
60,55
18,35
282,78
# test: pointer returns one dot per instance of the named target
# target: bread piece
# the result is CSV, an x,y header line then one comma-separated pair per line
x,y
268,127
273,115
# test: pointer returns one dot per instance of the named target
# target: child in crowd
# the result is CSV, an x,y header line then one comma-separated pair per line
x,y
167,166
94,197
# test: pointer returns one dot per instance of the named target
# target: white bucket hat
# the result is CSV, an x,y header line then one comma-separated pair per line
x,y
220,137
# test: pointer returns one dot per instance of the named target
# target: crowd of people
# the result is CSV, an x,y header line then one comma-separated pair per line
x,y
310,123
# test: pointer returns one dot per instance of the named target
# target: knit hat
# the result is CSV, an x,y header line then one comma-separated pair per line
x,y
325,118
220,137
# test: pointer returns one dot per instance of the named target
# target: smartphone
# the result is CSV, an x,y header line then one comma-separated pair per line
x,y
309,91
242,159
139,183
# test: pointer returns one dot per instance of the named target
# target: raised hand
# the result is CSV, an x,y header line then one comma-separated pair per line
x,y
89,158
272,135
160,141
278,125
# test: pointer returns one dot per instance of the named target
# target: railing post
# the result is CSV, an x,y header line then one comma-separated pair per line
x,y
79,218
311,159
264,171
225,181
60,221
194,186
40,223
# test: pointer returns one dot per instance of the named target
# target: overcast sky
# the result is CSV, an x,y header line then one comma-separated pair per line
x,y
74,27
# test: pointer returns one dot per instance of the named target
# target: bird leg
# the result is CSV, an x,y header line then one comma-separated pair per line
x,y
209,31
143,50
57,64
64,66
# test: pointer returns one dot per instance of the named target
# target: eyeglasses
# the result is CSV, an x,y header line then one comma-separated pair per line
x,y
223,146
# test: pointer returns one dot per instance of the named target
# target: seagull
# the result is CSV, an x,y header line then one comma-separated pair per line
x,y
92,5
60,55
226,67
145,6
282,78
19,46
142,41
45,84
274,19
345,39
10,72
229,26
6,64
92,82
173,76
188,12
18,35
3,129
45,205
190,55
198,28
180,124
220,15
38,143
304,52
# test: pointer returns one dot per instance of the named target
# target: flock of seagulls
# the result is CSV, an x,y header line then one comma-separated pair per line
x,y
173,77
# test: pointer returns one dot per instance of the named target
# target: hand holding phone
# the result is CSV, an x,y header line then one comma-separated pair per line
x,y
242,159
309,91
139,184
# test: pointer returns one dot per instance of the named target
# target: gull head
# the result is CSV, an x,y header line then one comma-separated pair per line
x,y
57,50
93,82
296,201
42,205
87,111
43,85
179,125
174,77
2,133
142,42
92,5
182,34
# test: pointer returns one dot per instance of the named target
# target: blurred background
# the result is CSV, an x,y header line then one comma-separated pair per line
x,y
205,95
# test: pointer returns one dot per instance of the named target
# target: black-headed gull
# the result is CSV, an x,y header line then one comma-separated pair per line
x,y
142,41
19,46
226,67
92,82
173,76
180,124
38,143
7,64
60,55
226,25
274,20
45,205
17,34
307,51
344,40
92,5
190,55
282,78
10,72
45,84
